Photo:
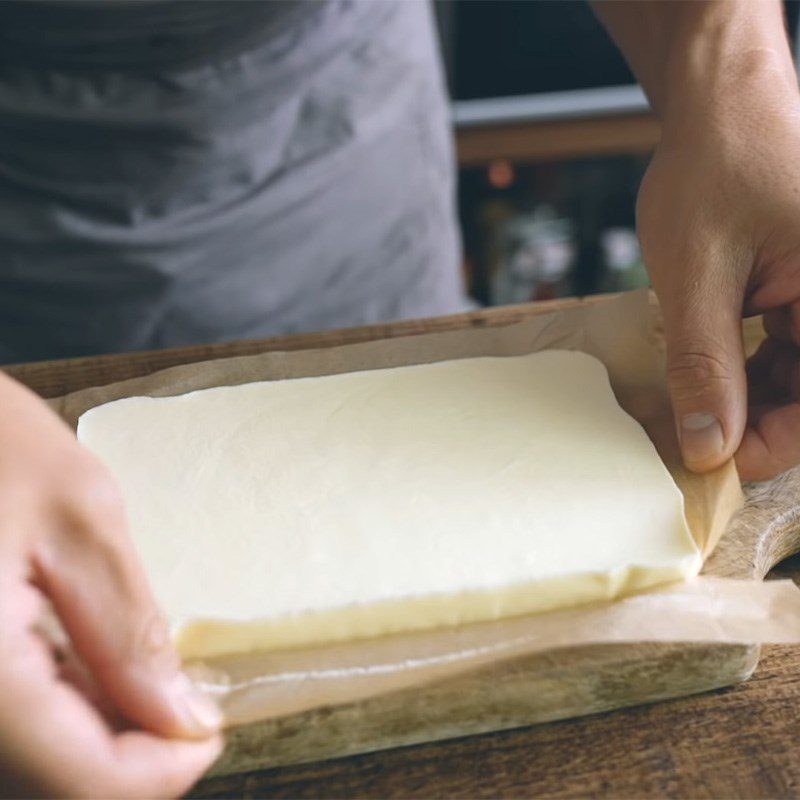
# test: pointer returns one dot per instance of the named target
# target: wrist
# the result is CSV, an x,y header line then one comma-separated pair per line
x,y
728,66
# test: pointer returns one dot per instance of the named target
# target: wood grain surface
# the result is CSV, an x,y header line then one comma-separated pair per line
x,y
734,742
740,742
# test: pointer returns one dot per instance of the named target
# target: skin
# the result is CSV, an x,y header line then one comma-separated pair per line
x,y
117,719
717,216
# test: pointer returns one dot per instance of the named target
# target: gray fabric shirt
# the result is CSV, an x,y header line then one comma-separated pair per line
x,y
180,172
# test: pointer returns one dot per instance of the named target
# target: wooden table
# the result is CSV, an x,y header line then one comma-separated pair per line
x,y
738,742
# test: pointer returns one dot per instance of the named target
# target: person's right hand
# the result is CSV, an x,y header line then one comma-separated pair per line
x,y
717,216
119,719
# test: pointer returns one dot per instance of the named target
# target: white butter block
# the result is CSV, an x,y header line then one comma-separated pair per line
x,y
284,513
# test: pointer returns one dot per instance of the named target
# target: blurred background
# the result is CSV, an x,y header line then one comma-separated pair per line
x,y
553,136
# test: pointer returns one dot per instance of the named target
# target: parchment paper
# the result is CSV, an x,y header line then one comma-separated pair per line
x,y
622,333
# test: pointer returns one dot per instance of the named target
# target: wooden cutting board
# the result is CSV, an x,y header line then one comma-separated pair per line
x,y
515,693
543,687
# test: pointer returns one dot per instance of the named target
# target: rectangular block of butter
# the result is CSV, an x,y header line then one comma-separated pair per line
x,y
286,513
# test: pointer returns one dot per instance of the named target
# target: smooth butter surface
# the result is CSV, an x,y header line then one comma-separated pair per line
x,y
286,513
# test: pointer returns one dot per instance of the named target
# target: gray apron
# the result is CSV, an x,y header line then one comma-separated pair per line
x,y
183,172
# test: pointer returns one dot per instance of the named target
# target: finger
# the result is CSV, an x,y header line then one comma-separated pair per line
x,y
758,369
773,372
785,373
757,412
57,745
771,444
92,576
72,671
777,324
153,767
705,372
783,323
780,376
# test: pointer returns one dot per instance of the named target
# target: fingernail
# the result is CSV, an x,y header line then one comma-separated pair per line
x,y
198,712
701,437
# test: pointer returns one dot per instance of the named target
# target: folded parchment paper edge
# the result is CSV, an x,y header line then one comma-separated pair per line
x,y
619,331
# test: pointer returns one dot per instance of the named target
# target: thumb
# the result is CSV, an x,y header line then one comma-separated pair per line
x,y
706,374
91,574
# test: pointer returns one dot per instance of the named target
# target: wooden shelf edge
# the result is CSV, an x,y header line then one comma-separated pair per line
x,y
556,140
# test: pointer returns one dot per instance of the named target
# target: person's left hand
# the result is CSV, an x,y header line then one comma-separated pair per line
x,y
719,221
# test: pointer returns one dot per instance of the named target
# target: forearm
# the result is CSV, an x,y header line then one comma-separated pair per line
x,y
703,58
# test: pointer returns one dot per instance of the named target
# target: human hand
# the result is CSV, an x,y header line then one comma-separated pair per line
x,y
120,720
719,221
